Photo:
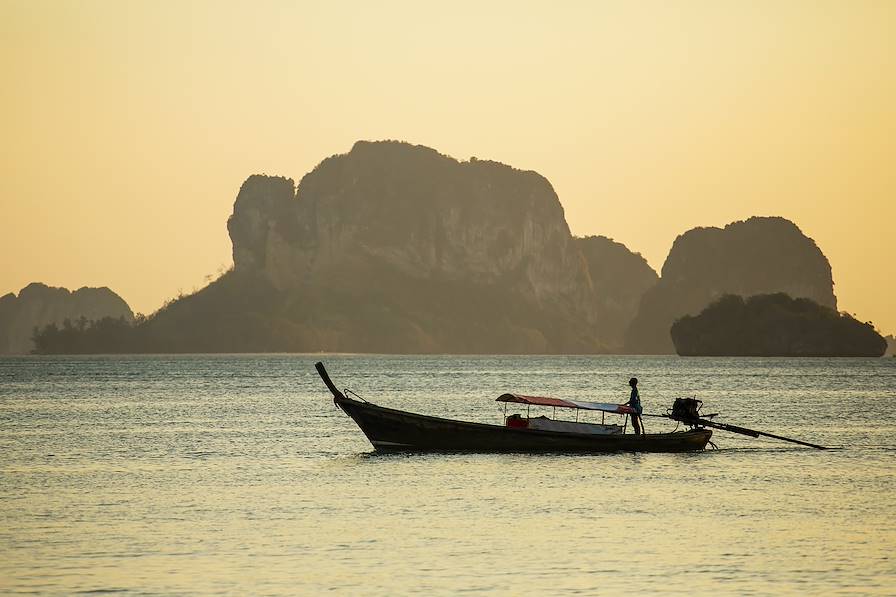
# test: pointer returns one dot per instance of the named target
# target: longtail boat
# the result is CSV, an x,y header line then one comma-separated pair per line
x,y
390,430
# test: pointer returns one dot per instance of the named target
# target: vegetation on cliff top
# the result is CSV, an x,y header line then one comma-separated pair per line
x,y
39,305
774,325
243,312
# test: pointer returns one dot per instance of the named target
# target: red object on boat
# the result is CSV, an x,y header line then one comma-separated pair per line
x,y
517,421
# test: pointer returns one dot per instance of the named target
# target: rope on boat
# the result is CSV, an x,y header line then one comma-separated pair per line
x,y
346,391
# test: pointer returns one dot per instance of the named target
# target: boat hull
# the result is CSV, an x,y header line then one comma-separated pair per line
x,y
395,430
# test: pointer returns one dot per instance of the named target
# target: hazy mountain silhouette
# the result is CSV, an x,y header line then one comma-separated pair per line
x,y
397,248
38,305
620,278
774,325
761,255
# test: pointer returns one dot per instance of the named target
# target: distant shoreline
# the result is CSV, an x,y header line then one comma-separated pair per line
x,y
427,354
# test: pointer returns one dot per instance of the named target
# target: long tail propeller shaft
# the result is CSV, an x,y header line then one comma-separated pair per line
x,y
687,411
754,433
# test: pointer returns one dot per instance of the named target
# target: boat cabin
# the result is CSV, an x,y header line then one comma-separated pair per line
x,y
543,423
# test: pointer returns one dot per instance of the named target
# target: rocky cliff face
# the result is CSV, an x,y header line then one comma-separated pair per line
x,y
463,256
620,278
419,212
39,305
757,256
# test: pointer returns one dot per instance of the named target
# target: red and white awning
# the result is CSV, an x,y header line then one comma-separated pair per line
x,y
607,407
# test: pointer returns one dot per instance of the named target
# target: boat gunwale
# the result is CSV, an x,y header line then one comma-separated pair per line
x,y
526,431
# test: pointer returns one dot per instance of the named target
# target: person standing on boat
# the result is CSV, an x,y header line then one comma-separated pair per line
x,y
635,403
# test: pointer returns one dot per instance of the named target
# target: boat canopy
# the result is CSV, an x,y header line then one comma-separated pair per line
x,y
606,407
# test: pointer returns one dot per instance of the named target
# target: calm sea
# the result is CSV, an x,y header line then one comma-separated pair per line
x,y
237,475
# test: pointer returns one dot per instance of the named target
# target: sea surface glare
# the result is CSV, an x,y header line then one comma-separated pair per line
x,y
237,475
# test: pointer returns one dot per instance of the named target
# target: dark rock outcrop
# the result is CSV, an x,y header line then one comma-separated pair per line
x,y
891,346
38,305
761,255
774,325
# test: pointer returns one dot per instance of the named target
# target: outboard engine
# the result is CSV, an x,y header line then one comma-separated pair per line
x,y
686,410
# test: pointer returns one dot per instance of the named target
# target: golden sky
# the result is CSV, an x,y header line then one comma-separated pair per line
x,y
128,127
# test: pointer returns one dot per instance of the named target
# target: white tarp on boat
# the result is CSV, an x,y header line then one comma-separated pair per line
x,y
604,406
546,424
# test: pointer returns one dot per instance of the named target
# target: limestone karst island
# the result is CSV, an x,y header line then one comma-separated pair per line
x,y
397,248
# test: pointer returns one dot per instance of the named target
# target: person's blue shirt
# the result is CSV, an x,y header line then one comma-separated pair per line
x,y
635,401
